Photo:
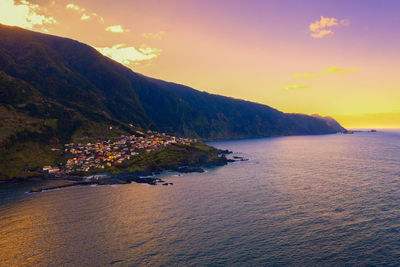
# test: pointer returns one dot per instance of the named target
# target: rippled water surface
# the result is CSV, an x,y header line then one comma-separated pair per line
x,y
304,200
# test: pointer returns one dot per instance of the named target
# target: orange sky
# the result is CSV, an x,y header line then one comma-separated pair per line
x,y
336,58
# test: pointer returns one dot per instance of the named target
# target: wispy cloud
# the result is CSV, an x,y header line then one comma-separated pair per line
x,y
156,36
24,14
86,15
295,87
333,69
129,55
92,15
340,71
116,29
306,75
75,7
324,27
321,34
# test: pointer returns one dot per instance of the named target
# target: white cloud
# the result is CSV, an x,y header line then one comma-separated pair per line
x,y
85,17
117,29
23,14
156,36
75,7
323,27
85,14
129,55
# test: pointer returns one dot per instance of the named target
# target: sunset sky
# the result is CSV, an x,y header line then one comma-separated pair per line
x,y
337,58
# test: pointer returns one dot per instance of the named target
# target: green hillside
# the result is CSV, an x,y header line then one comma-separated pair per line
x,y
53,89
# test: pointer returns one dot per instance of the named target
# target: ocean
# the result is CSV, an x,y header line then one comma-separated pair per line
x,y
298,200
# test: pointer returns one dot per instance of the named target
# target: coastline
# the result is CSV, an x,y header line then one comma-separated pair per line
x,y
151,178
144,169
172,156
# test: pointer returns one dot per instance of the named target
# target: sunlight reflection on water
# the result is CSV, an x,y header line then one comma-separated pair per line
x,y
332,199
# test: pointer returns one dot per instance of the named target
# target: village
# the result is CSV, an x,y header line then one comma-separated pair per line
x,y
104,153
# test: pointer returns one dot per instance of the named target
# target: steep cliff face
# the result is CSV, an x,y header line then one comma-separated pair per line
x,y
331,122
54,88
45,72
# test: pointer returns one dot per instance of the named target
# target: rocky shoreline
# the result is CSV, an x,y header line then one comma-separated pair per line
x,y
143,169
116,179
126,177
102,181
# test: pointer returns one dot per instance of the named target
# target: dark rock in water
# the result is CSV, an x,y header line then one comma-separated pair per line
x,y
224,152
220,161
165,184
237,158
150,181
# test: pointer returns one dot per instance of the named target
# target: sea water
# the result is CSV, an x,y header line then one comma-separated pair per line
x,y
299,200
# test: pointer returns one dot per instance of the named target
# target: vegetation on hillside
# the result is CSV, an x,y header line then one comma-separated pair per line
x,y
172,157
53,89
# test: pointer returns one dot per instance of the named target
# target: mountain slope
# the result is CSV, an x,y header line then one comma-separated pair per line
x,y
229,117
53,89
76,76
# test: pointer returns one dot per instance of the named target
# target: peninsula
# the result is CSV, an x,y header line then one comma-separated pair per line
x,y
125,159
67,109
128,159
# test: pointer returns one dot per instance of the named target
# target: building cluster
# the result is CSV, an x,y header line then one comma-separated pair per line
x,y
102,153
